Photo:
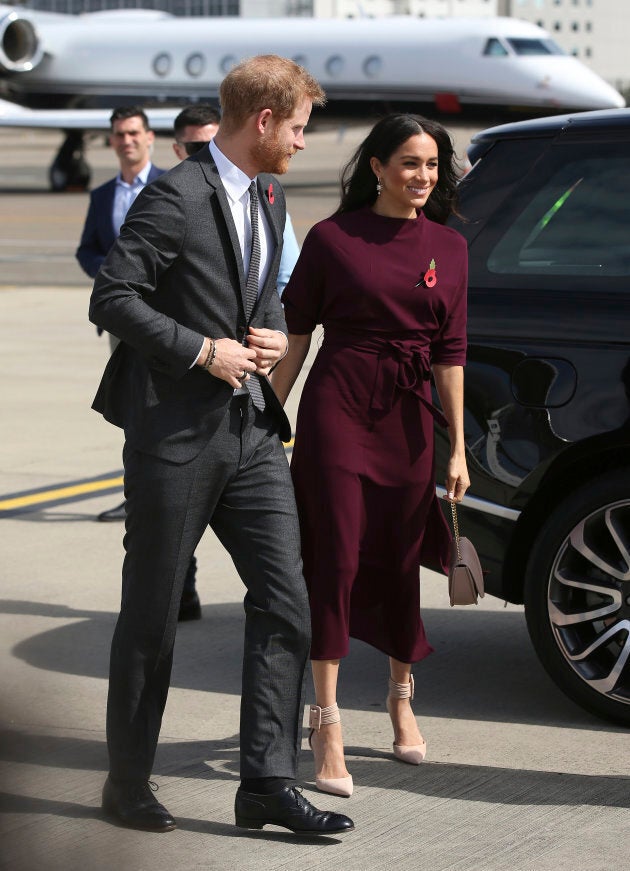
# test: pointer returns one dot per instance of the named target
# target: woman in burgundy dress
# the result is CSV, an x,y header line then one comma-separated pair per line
x,y
387,280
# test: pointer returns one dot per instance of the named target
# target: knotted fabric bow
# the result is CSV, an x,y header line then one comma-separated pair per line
x,y
403,365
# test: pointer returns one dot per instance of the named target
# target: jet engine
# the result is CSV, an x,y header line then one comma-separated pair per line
x,y
20,46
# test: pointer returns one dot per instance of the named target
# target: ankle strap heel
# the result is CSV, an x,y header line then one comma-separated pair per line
x,y
401,690
318,717
412,754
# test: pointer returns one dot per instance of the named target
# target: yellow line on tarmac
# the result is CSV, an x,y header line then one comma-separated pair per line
x,y
60,493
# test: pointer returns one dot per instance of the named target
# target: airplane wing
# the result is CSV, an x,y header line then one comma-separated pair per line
x,y
13,115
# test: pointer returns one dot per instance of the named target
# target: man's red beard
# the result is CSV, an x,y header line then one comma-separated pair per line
x,y
269,155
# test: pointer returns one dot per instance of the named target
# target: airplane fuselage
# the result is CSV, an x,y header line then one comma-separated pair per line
x,y
107,58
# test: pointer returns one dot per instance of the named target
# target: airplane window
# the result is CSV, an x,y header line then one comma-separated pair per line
x,y
334,65
195,64
534,46
227,63
162,64
494,48
372,65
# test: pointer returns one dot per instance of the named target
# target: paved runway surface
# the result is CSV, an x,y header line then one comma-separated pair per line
x,y
517,777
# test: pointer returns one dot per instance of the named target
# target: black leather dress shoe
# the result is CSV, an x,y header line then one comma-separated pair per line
x,y
189,607
117,513
135,806
287,808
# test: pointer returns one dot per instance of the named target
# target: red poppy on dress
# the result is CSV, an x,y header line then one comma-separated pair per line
x,y
429,279
270,195
430,276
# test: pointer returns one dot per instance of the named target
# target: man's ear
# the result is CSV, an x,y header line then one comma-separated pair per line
x,y
263,119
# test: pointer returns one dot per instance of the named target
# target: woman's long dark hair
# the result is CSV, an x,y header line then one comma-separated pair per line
x,y
358,182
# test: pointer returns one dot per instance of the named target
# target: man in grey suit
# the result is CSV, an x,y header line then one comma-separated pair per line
x,y
189,289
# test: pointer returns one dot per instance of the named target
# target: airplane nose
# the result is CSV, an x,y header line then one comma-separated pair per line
x,y
582,89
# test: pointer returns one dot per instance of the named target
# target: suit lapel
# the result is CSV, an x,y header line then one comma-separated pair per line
x,y
272,214
213,179
107,213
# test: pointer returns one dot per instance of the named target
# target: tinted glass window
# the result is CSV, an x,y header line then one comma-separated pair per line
x,y
575,224
495,48
534,46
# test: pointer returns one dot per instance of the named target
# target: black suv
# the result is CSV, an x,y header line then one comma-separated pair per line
x,y
546,210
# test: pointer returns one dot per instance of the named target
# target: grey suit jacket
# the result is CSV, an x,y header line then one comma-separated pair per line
x,y
174,275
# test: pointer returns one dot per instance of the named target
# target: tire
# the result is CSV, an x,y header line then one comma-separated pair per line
x,y
577,596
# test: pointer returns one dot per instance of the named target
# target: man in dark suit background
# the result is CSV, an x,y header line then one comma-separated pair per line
x,y
189,288
132,139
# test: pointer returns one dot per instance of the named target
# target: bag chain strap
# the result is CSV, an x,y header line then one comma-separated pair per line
x,y
456,529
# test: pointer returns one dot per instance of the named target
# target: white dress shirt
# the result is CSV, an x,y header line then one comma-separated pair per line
x,y
125,194
236,185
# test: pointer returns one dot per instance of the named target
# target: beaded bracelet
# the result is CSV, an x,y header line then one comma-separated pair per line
x,y
211,355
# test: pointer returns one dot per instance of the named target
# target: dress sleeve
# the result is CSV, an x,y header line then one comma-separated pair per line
x,y
449,346
303,296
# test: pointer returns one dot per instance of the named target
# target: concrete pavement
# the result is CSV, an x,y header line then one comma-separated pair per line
x,y
517,777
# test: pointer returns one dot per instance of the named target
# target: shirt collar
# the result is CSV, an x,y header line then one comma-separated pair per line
x,y
234,180
141,178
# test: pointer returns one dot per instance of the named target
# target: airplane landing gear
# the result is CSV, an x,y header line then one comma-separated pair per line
x,y
69,170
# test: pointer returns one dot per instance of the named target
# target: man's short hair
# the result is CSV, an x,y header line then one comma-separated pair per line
x,y
123,112
266,81
196,115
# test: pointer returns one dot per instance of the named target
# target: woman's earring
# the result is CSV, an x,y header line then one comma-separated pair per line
x,y
379,187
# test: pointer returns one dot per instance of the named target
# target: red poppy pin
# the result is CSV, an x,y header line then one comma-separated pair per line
x,y
429,279
270,195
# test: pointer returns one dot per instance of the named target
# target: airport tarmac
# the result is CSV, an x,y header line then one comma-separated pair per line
x,y
517,777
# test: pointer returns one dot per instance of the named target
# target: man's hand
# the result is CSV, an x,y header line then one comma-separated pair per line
x,y
269,347
232,362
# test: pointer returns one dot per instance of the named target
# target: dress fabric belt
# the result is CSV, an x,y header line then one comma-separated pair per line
x,y
403,365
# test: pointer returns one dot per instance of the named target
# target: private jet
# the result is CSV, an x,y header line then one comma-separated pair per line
x,y
52,61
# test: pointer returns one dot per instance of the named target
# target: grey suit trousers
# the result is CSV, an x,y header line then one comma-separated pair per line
x,y
240,485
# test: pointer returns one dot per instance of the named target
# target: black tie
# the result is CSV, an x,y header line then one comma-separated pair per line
x,y
251,289
251,293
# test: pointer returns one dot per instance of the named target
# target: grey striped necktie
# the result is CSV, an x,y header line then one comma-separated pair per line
x,y
251,289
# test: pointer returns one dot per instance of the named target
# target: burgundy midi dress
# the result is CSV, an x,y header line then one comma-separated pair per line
x,y
362,464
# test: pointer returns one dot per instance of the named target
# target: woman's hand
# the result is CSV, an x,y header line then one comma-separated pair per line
x,y
457,480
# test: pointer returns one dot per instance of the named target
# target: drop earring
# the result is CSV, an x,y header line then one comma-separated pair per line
x,y
379,187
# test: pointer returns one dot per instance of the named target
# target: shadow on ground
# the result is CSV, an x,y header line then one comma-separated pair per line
x,y
483,668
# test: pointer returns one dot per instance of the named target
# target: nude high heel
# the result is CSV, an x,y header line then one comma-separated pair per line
x,y
412,753
319,717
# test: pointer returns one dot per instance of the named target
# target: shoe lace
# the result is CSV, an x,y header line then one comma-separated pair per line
x,y
144,790
300,801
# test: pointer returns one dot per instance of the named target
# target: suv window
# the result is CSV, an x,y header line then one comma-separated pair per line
x,y
577,223
565,221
